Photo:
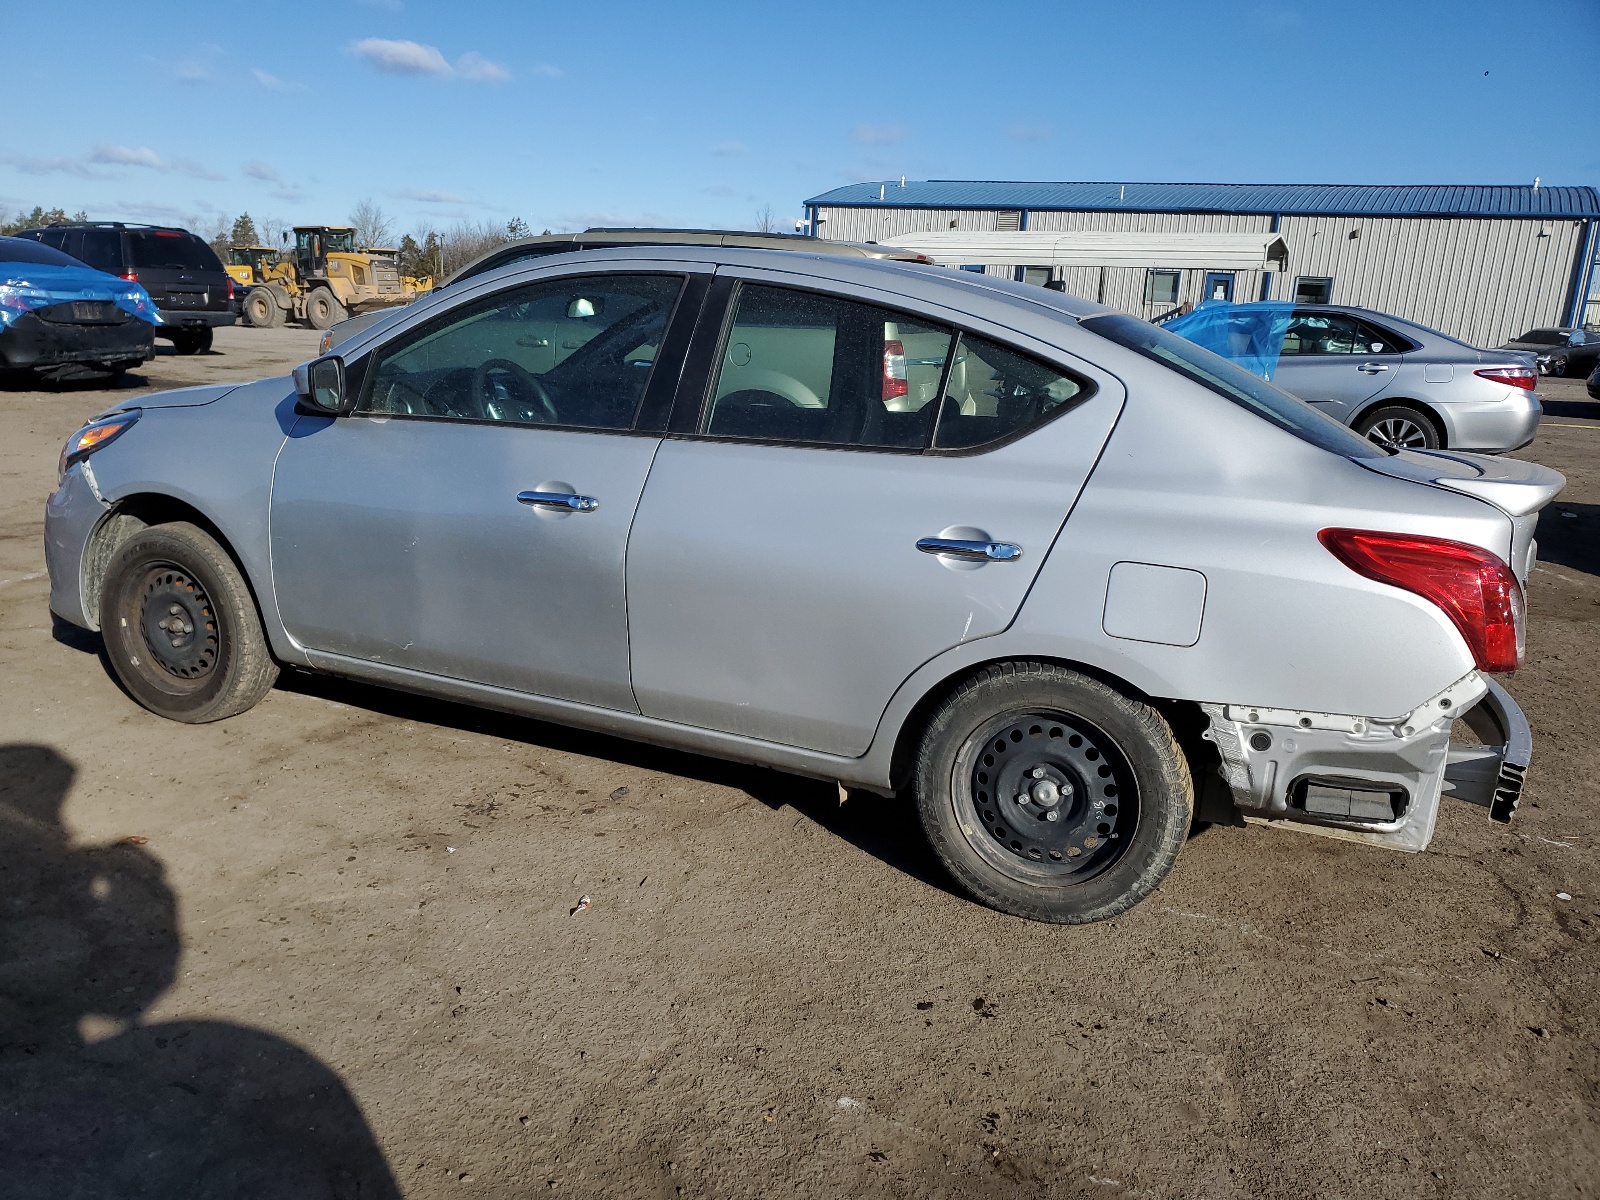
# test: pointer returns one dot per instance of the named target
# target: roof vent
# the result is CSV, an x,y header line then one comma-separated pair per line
x,y
1009,221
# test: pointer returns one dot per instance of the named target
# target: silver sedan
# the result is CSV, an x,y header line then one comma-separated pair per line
x,y
1066,577
1391,380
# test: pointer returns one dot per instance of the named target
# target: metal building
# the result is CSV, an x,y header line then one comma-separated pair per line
x,y
1482,263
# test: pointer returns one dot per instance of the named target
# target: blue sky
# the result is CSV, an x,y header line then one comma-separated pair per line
x,y
704,113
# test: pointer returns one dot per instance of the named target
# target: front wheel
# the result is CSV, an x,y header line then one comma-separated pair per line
x,y
1400,428
181,628
261,309
1556,367
323,309
1049,795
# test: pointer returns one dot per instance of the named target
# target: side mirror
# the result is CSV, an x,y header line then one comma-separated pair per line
x,y
320,386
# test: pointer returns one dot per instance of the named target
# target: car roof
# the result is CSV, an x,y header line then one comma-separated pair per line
x,y
599,237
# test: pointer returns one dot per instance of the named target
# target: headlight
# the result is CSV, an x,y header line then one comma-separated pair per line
x,y
92,437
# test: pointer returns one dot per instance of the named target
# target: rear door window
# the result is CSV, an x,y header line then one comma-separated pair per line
x,y
803,367
169,250
1323,333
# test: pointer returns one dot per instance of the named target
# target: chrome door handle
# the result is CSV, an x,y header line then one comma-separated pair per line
x,y
1373,368
976,551
562,500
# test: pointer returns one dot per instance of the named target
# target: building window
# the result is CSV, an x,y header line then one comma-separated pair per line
x,y
1038,276
978,267
1313,289
1161,287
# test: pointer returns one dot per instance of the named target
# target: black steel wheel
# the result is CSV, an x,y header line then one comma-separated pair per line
x,y
181,628
1050,795
1049,791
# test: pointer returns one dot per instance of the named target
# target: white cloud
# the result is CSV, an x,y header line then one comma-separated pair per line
x,y
479,69
266,172
127,156
272,83
143,156
720,189
429,197
730,150
193,72
401,58
29,165
878,135
414,58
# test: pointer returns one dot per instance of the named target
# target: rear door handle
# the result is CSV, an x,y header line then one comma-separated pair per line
x,y
973,550
566,501
1373,368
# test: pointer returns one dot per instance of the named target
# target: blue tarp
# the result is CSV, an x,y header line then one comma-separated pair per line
x,y
29,285
1250,335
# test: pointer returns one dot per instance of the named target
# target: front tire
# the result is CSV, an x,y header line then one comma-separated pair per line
x,y
181,628
261,309
323,309
1020,741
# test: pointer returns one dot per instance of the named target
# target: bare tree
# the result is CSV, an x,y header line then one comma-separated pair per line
x,y
765,222
273,230
373,225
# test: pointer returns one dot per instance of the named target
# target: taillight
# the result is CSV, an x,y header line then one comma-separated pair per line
x,y
230,287
130,276
1475,589
1522,377
894,370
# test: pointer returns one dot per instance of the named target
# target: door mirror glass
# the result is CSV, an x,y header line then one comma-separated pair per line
x,y
320,385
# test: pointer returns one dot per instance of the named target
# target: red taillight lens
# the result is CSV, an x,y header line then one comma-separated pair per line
x,y
1522,377
894,370
131,276
1475,589
230,287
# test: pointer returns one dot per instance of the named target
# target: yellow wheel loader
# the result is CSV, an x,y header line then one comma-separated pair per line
x,y
327,278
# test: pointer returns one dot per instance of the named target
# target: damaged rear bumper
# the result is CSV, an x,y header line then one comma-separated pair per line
x,y
1374,780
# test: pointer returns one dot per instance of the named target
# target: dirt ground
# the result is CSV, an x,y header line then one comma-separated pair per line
x,y
356,906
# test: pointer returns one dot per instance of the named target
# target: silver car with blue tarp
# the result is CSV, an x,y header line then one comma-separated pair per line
x,y
1390,380
1064,577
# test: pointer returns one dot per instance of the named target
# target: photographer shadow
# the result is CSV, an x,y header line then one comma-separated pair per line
x,y
95,1102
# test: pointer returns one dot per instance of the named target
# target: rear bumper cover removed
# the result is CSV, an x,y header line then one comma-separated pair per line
x,y
1374,780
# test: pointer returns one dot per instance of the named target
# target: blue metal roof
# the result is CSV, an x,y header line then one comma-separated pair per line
x,y
1299,199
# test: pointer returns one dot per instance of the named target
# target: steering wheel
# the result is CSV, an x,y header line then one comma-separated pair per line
x,y
492,401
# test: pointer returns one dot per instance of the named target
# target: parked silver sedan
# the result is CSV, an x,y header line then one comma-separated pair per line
x,y
1396,382
1061,574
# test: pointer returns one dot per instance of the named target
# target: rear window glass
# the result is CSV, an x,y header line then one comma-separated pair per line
x,y
1234,383
26,250
160,250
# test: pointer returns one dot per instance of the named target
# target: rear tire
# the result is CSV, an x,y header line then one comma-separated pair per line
x,y
180,626
261,309
323,309
1106,764
1401,426
192,341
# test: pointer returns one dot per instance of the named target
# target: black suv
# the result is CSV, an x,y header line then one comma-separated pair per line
x,y
183,275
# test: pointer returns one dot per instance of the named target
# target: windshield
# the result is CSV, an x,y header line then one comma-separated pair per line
x,y
1216,373
27,250
337,241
